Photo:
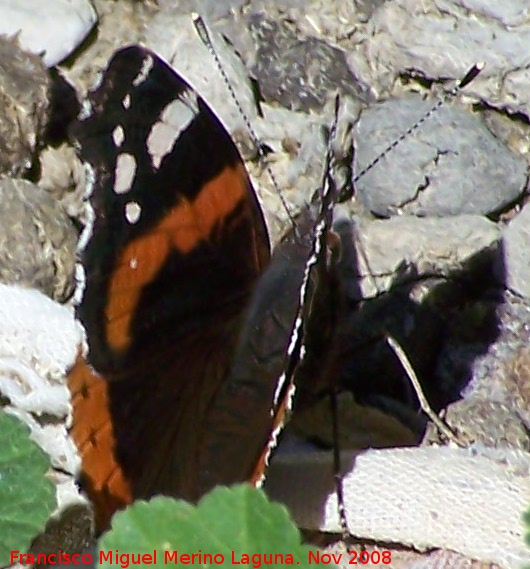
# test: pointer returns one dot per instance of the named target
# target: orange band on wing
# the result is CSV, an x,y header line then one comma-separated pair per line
x,y
93,434
183,228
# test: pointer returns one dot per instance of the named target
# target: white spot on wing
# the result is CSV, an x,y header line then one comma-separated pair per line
x,y
133,210
126,101
160,142
124,174
181,111
118,135
147,65
174,119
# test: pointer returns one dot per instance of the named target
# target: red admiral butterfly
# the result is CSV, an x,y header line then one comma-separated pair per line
x,y
194,334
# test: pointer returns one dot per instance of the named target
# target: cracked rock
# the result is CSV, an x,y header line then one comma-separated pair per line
x,y
450,165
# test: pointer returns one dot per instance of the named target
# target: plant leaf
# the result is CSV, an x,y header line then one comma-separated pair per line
x,y
27,498
227,522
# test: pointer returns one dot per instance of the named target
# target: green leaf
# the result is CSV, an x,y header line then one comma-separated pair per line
x,y
27,498
228,522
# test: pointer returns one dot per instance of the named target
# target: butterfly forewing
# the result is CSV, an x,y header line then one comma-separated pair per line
x,y
168,181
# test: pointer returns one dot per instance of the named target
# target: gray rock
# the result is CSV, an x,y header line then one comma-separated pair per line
x,y
515,268
335,22
330,22
24,85
63,176
502,373
404,248
488,423
450,165
300,73
53,29
212,11
515,134
436,272
298,149
119,24
37,240
459,33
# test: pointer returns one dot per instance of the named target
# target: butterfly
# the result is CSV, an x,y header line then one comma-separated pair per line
x,y
196,335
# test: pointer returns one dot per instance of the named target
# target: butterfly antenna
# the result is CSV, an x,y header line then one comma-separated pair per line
x,y
204,35
460,84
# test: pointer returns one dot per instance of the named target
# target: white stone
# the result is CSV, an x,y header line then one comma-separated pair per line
x,y
467,500
54,28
